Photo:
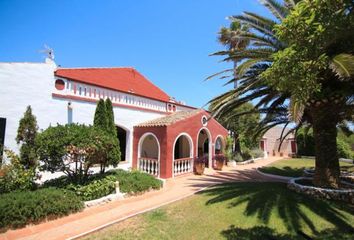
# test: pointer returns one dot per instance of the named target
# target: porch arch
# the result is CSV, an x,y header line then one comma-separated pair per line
x,y
149,154
219,145
204,144
182,154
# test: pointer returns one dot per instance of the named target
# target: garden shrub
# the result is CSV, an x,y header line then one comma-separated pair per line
x,y
94,189
228,148
64,146
257,153
238,157
14,176
246,154
100,185
343,149
20,208
305,142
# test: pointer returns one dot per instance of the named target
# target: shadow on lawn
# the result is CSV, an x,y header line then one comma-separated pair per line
x,y
265,233
262,198
285,171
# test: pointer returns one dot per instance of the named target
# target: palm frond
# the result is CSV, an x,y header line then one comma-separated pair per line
x,y
220,53
290,3
265,53
218,74
296,111
278,10
266,40
343,65
260,24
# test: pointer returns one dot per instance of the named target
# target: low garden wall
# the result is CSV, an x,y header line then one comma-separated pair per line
x,y
253,160
346,195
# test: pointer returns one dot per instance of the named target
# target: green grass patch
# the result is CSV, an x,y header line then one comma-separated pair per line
x,y
294,167
239,211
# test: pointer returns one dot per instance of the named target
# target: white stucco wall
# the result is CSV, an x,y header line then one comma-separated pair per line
x,y
24,84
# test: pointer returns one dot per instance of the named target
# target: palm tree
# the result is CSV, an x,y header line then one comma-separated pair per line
x,y
229,37
279,107
255,58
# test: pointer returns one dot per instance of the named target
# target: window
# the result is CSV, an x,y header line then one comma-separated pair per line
x,y
59,84
204,120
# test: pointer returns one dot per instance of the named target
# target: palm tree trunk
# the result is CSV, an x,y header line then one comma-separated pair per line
x,y
325,119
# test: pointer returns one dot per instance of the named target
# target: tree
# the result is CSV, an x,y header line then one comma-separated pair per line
x,y
26,134
241,127
104,120
100,118
317,70
229,37
255,59
115,155
73,149
303,53
111,127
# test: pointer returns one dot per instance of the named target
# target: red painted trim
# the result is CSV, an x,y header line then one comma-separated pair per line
x,y
55,95
75,80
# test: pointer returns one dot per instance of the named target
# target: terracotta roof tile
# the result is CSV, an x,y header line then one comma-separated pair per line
x,y
122,79
170,119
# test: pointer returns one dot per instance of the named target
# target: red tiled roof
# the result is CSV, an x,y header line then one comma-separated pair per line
x,y
122,79
170,119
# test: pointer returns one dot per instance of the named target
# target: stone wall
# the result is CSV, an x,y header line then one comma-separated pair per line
x,y
346,195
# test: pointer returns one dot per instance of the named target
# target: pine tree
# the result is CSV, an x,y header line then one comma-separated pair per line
x,y
26,134
115,155
104,120
111,127
100,119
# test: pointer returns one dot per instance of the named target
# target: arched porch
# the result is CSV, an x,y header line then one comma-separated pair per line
x,y
204,145
149,154
182,154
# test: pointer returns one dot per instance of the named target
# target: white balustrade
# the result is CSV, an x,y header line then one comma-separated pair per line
x,y
182,165
149,165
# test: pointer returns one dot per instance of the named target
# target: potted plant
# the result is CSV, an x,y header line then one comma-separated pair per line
x,y
219,161
199,164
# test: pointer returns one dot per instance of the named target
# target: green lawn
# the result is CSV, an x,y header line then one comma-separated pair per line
x,y
294,167
239,211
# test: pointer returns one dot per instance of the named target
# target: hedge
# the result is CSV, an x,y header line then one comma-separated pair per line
x,y
100,185
18,209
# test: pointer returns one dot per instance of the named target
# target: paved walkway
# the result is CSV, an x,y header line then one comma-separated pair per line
x,y
97,217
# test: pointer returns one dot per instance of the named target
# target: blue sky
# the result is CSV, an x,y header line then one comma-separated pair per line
x,y
168,41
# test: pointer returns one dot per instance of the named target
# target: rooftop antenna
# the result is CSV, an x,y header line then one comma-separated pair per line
x,y
48,51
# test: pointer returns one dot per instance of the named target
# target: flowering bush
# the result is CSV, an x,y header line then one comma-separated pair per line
x,y
14,176
219,158
203,159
